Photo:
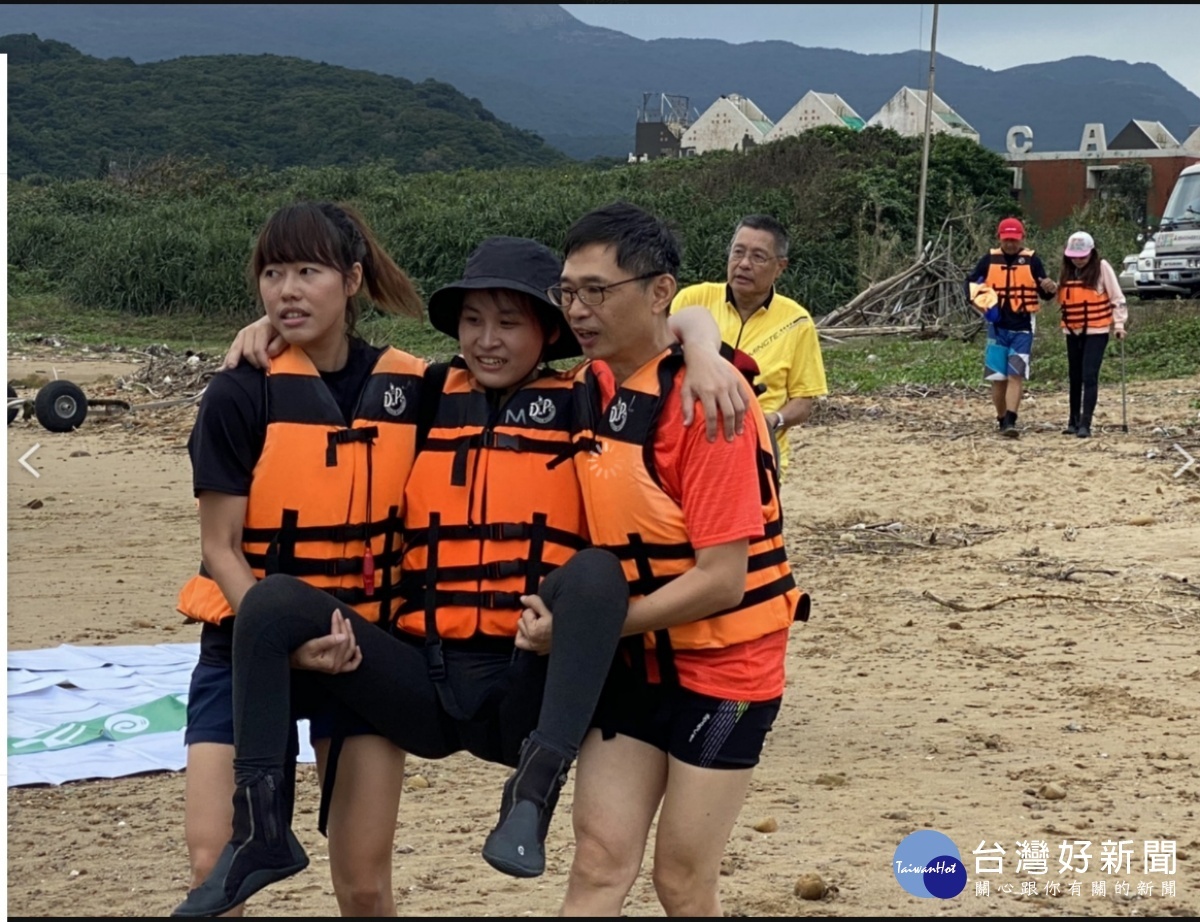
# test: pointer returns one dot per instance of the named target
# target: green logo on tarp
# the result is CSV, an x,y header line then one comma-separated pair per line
x,y
158,716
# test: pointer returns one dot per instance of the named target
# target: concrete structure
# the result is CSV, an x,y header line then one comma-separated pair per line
x,y
904,113
662,120
813,110
731,123
1050,185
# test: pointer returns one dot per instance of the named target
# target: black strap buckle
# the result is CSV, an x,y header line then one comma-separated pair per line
x,y
436,660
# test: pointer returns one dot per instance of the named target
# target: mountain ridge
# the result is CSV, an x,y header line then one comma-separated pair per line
x,y
578,86
73,116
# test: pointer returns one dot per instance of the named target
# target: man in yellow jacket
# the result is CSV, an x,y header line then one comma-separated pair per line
x,y
774,330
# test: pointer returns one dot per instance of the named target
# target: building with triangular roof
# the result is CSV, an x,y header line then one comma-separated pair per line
x,y
733,122
904,113
1140,134
1050,185
816,109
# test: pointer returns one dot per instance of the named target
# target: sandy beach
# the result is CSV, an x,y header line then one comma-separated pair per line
x,y
1004,647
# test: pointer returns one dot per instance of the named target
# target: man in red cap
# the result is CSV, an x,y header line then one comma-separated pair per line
x,y
1018,279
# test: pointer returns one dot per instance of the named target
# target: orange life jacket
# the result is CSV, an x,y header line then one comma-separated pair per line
x,y
492,506
326,499
631,515
1013,283
1083,307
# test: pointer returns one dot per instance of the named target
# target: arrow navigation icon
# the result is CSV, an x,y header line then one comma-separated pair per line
x,y
1190,460
25,463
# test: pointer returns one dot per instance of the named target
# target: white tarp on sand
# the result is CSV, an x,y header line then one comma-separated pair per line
x,y
100,712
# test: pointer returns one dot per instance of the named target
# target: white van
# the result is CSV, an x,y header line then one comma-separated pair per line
x,y
1169,264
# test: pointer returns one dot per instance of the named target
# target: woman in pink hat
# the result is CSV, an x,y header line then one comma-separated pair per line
x,y
1092,305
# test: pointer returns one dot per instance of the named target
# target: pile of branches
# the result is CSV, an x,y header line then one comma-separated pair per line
x,y
168,375
926,299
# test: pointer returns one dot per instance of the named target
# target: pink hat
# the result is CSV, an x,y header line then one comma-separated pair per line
x,y
1079,244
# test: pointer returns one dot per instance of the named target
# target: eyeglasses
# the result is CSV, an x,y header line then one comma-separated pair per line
x,y
591,295
757,257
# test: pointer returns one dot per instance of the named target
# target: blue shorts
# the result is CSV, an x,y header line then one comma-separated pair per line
x,y
1007,354
696,729
210,697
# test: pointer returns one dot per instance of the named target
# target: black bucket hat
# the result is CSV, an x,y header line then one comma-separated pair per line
x,y
515,264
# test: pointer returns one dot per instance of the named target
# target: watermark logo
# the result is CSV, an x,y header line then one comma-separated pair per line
x,y
927,864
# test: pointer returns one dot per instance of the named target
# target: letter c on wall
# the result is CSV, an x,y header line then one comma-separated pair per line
x,y
1023,146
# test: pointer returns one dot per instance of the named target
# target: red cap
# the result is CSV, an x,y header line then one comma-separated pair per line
x,y
1011,229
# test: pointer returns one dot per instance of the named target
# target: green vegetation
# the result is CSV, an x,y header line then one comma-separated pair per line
x,y
1164,342
160,256
72,116
43,316
175,238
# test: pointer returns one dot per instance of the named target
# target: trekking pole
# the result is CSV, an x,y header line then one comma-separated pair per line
x,y
1124,413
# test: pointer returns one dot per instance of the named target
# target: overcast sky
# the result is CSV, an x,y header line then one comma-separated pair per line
x,y
994,36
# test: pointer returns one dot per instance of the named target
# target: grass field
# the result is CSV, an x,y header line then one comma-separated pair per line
x,y
1164,342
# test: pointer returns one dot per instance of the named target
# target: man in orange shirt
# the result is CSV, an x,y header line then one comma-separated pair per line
x,y
696,524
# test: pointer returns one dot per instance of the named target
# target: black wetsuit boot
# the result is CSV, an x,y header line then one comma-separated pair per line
x,y
263,849
517,846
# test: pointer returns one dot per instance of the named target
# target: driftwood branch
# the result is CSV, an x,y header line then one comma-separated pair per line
x,y
927,296
988,606
873,330
1069,572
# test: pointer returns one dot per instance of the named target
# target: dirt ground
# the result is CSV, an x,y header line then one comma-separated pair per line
x,y
1004,647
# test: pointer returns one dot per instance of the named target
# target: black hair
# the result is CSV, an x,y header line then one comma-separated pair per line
x,y
644,243
764,222
1088,274
337,236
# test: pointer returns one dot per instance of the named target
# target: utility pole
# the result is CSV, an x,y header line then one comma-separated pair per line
x,y
925,147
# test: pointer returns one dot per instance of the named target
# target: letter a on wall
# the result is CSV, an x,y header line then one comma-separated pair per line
x,y
1093,141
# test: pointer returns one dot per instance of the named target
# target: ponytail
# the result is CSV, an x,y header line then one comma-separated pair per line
x,y
337,236
387,284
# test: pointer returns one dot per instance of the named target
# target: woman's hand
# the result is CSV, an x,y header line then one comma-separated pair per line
x,y
535,629
257,343
336,652
723,392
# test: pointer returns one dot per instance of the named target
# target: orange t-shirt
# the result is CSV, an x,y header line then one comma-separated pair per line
x,y
716,486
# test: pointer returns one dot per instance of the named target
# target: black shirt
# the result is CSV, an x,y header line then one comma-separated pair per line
x,y
231,423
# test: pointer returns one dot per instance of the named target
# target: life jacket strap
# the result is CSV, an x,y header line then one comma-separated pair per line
x,y
411,583
367,434
492,531
319,566
338,534
439,598
639,550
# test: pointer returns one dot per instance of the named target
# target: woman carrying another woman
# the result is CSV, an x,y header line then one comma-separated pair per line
x,y
493,514
299,468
